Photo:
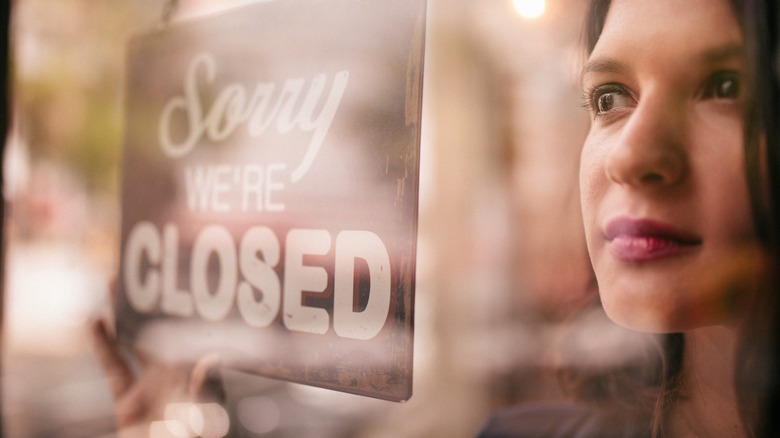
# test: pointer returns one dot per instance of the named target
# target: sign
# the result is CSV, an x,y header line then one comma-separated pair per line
x,y
269,194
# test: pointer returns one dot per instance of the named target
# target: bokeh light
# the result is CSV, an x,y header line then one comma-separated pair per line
x,y
529,8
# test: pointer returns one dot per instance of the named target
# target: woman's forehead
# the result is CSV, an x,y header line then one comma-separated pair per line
x,y
668,25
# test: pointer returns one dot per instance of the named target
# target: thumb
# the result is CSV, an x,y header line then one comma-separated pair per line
x,y
117,370
205,383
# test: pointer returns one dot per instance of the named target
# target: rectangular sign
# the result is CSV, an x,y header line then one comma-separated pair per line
x,y
269,194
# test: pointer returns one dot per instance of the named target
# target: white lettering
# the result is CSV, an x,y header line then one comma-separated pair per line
x,y
293,109
252,187
215,240
142,293
197,182
218,188
259,275
273,185
223,275
367,323
174,300
299,278
221,187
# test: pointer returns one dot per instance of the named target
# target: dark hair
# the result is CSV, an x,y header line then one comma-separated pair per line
x,y
594,24
758,386
758,358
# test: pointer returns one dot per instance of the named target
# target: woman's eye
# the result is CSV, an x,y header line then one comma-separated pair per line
x,y
606,101
722,86
606,98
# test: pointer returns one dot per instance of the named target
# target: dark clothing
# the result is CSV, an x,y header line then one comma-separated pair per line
x,y
561,420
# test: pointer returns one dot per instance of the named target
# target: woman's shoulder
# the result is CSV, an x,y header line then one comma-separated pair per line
x,y
559,420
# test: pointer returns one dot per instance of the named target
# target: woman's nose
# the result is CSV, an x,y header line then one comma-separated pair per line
x,y
650,149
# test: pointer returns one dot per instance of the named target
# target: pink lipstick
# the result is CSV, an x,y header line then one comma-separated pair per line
x,y
643,240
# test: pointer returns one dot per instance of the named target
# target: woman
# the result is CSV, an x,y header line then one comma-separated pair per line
x,y
670,225
664,194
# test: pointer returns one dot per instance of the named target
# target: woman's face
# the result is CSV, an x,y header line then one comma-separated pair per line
x,y
662,182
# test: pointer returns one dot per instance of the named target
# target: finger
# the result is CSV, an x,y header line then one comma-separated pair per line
x,y
205,383
117,370
113,291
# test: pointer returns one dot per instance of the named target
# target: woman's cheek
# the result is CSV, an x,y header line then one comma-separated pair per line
x,y
591,172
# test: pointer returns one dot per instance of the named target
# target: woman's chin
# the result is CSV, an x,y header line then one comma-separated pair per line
x,y
657,314
645,320
706,297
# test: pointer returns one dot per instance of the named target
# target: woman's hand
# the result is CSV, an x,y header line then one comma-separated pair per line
x,y
140,401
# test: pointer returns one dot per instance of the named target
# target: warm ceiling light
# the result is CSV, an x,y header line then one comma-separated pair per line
x,y
529,8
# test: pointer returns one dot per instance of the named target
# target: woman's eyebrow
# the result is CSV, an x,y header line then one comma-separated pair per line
x,y
602,65
726,52
713,55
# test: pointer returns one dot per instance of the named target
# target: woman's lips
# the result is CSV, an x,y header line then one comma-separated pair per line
x,y
643,240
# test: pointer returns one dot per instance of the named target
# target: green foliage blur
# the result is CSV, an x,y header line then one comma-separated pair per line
x,y
68,67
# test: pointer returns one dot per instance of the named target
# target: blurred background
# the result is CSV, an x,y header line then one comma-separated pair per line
x,y
502,270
